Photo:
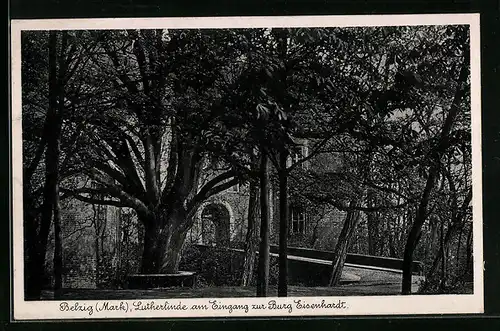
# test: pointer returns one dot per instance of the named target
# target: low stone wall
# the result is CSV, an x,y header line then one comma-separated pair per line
x,y
301,270
356,259
313,267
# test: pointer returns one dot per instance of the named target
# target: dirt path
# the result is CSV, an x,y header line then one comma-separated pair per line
x,y
371,282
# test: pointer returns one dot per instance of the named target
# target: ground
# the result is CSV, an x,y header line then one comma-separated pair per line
x,y
364,282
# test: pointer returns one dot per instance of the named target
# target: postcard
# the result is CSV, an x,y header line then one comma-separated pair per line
x,y
246,167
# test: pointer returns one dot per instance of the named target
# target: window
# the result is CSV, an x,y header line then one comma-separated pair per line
x,y
297,153
298,217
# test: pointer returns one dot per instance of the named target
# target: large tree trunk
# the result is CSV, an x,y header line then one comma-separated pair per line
x,y
250,240
340,252
263,267
150,252
283,235
173,251
164,238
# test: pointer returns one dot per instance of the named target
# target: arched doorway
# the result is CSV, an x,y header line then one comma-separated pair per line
x,y
215,227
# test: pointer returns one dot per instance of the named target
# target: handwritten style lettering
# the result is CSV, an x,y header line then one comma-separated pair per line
x,y
302,304
108,306
211,304
220,306
151,305
76,306
272,305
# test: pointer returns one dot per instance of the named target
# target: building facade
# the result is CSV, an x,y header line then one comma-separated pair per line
x,y
222,219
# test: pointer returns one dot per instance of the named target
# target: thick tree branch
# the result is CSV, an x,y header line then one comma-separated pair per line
x,y
210,187
118,192
172,163
75,194
123,159
128,186
152,188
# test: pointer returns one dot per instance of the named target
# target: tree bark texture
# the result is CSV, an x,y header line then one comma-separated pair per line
x,y
456,226
263,266
340,252
251,235
52,155
373,227
283,235
58,247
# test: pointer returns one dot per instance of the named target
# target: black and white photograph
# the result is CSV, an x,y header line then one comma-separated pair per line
x,y
246,167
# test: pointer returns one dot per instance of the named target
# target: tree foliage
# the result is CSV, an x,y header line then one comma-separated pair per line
x,y
385,112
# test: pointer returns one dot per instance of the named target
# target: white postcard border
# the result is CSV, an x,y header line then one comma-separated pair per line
x,y
354,305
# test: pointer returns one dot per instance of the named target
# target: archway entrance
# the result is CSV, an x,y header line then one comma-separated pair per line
x,y
215,228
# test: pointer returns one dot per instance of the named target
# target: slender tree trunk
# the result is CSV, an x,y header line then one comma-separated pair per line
x,y
460,234
37,234
450,234
415,233
373,227
118,245
444,254
58,249
421,215
32,281
439,256
263,267
251,236
391,248
340,252
433,237
314,235
97,255
51,158
283,235
457,225
469,262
